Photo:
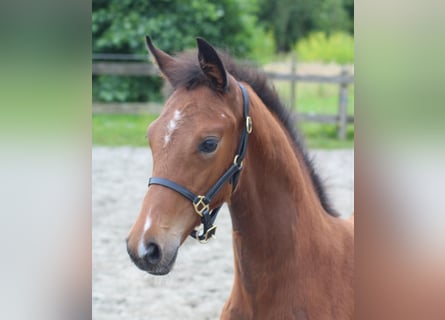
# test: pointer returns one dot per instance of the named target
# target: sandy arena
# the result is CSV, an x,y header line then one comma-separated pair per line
x,y
202,277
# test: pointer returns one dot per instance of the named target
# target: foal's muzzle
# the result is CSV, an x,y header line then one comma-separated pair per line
x,y
153,259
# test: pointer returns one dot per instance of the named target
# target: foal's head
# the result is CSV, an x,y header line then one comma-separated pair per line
x,y
193,142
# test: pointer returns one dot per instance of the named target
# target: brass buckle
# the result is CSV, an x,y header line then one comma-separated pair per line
x,y
208,235
200,206
249,125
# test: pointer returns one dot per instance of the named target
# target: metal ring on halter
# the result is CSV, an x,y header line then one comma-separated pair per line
x,y
249,125
235,162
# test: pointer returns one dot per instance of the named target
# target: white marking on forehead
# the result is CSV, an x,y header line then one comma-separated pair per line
x,y
172,126
223,115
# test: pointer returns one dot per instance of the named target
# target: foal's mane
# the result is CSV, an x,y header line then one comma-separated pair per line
x,y
188,74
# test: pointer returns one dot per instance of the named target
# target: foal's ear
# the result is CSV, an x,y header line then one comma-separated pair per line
x,y
164,61
212,65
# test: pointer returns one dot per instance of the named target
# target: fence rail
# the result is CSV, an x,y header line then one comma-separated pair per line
x,y
138,69
145,69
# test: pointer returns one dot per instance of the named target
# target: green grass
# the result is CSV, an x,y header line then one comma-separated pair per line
x,y
118,129
315,97
323,136
320,99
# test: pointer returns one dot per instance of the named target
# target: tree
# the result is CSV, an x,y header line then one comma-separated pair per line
x,y
291,20
119,26
333,16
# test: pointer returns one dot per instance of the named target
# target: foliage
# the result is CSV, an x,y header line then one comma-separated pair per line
x,y
333,16
126,89
292,20
253,29
338,47
263,46
120,26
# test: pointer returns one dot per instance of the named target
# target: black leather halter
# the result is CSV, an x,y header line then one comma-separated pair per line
x,y
201,203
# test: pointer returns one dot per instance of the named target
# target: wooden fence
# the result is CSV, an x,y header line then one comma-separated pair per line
x,y
138,68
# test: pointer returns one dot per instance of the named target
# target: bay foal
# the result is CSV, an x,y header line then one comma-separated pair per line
x,y
294,258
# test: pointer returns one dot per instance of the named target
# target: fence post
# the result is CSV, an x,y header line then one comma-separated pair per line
x,y
343,106
293,101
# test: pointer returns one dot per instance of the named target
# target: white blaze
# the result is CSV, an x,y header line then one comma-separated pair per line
x,y
147,224
171,126
141,246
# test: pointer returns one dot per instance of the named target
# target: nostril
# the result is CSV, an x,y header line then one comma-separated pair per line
x,y
153,254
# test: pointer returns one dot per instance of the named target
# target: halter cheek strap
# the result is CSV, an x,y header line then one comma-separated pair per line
x,y
201,203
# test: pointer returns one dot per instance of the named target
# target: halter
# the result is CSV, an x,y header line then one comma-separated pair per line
x,y
201,203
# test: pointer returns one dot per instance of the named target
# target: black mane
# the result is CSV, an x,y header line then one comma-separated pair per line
x,y
189,75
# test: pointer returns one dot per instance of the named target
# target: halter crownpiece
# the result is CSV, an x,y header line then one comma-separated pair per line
x,y
201,203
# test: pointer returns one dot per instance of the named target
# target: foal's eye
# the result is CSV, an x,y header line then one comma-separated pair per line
x,y
209,145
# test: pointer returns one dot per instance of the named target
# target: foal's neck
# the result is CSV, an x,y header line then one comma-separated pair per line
x,y
276,192
275,206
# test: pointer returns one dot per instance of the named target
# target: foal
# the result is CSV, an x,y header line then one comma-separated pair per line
x,y
293,255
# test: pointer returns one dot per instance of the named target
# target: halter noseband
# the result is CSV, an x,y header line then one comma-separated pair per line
x,y
201,203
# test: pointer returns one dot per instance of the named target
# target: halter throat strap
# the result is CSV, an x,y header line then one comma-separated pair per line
x,y
201,203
